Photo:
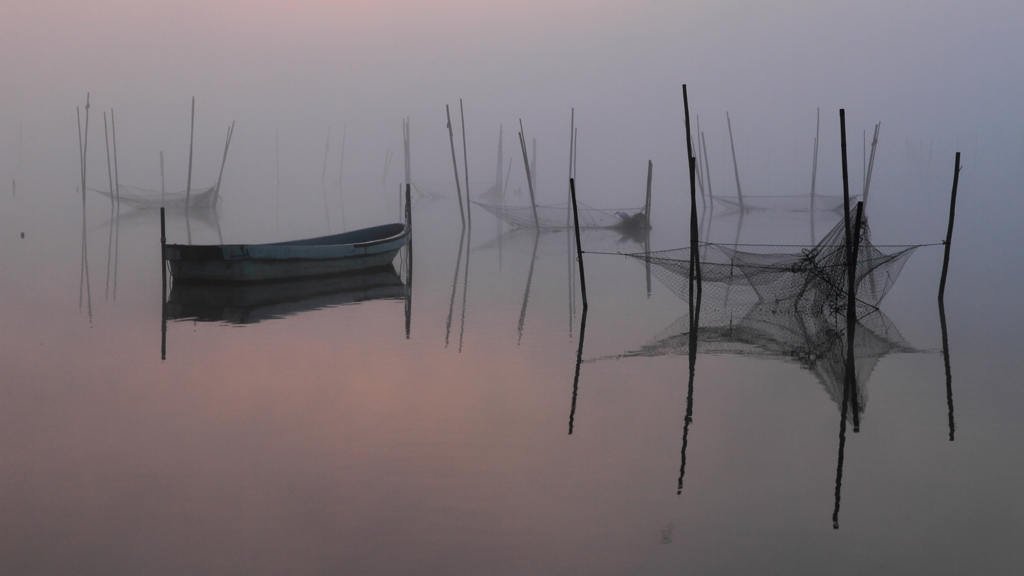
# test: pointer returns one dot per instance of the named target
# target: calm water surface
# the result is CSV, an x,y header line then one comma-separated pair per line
x,y
430,434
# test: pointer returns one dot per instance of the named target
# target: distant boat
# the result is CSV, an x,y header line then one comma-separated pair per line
x,y
323,256
250,303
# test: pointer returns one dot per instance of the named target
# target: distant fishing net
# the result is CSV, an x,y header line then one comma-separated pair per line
x,y
786,203
138,197
560,216
811,279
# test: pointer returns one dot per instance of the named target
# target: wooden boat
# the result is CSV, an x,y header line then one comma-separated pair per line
x,y
249,303
353,251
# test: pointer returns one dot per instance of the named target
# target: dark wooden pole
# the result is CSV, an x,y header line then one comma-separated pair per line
x,y
576,377
163,287
691,162
579,245
846,183
851,316
949,373
949,230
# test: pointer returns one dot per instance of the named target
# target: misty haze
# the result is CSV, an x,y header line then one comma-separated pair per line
x,y
720,370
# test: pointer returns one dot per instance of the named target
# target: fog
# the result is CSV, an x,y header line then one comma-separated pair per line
x,y
941,75
407,455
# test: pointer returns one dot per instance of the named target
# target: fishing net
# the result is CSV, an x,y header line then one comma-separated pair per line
x,y
560,216
787,203
138,197
809,279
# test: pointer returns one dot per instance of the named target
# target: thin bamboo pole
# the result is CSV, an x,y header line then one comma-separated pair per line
x,y
224,160
458,188
871,165
188,185
277,195
323,179
529,177
341,173
735,164
814,163
465,168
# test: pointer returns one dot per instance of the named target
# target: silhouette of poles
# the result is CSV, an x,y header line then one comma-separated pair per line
x,y
224,160
529,177
691,162
188,182
579,245
942,293
735,164
455,166
871,165
465,168
949,229
694,278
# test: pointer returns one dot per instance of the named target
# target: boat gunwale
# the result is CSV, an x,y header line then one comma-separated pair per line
x,y
406,230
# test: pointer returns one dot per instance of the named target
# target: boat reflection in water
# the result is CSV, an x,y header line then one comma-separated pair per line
x,y
249,303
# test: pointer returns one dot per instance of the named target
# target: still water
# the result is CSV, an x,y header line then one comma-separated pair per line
x,y
439,428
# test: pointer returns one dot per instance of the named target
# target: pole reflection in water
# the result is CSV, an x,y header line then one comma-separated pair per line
x,y
847,389
529,280
949,374
692,345
579,361
408,222
455,284
465,287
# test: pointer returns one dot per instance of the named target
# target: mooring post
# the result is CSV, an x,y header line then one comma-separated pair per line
x,y
949,230
579,245
163,244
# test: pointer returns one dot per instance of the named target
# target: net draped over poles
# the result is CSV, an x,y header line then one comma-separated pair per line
x,y
810,279
790,304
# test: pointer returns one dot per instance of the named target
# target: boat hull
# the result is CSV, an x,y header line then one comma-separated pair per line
x,y
325,256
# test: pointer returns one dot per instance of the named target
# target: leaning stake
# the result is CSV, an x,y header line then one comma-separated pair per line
x,y
579,246
458,188
949,230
